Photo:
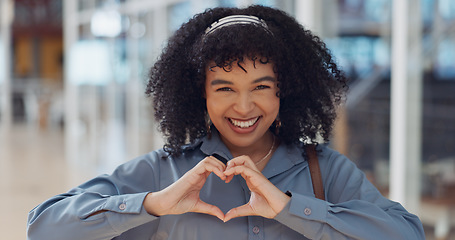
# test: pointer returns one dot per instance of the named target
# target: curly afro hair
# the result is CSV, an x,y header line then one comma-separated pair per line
x,y
311,85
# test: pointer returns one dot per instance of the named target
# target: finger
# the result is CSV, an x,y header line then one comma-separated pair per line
x,y
213,161
254,179
210,164
203,207
216,170
216,161
241,160
236,162
229,178
237,170
241,211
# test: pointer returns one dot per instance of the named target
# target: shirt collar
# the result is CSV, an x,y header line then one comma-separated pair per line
x,y
284,158
214,146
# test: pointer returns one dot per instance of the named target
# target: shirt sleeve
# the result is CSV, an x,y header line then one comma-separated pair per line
x,y
354,209
101,208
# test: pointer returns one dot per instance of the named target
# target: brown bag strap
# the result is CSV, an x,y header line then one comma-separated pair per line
x,y
315,172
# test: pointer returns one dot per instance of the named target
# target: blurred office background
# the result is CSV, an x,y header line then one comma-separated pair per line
x,y
72,102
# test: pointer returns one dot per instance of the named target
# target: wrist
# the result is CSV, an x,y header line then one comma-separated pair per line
x,y
151,204
280,201
285,199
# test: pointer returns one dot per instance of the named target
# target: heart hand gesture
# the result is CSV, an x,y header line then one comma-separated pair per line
x,y
183,196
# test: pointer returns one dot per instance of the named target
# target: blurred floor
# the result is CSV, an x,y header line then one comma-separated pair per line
x,y
32,169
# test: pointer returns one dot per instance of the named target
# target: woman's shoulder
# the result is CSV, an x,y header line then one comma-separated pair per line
x,y
332,160
157,155
143,163
161,157
327,153
335,166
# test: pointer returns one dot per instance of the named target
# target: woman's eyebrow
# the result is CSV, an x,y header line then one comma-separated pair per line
x,y
266,78
262,79
220,81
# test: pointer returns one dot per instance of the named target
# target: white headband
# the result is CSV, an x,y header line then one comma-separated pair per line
x,y
236,19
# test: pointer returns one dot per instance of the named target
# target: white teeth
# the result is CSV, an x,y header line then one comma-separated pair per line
x,y
244,124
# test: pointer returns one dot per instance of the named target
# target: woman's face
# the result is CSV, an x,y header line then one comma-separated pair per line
x,y
242,104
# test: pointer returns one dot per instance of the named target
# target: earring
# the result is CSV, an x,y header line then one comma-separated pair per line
x,y
208,125
277,126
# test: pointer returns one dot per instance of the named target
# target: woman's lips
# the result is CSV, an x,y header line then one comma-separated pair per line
x,y
244,123
243,126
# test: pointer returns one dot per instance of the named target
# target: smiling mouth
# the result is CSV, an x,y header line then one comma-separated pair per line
x,y
244,124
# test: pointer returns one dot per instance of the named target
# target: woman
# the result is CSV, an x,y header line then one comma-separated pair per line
x,y
238,93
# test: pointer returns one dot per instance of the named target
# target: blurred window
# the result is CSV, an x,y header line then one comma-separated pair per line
x,y
2,59
377,10
86,54
445,65
447,8
178,14
285,5
359,55
227,3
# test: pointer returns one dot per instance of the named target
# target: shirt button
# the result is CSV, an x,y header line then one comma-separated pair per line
x,y
122,206
256,230
307,211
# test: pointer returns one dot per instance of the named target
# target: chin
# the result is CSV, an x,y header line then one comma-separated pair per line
x,y
242,140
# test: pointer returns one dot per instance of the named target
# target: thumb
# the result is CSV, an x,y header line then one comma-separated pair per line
x,y
241,211
203,207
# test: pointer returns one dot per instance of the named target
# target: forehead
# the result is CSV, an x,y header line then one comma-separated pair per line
x,y
243,63
245,68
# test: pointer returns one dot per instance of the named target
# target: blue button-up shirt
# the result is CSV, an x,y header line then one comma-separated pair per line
x,y
354,208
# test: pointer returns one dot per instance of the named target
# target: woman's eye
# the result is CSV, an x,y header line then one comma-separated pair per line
x,y
262,87
224,89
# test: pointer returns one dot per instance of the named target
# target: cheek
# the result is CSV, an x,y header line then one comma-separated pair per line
x,y
214,105
271,104
276,108
209,105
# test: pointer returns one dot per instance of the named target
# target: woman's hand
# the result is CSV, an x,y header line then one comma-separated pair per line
x,y
183,195
266,199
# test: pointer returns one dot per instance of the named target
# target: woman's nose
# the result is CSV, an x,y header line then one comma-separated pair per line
x,y
244,104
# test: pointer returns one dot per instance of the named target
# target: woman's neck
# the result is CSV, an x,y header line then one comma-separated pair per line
x,y
257,151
